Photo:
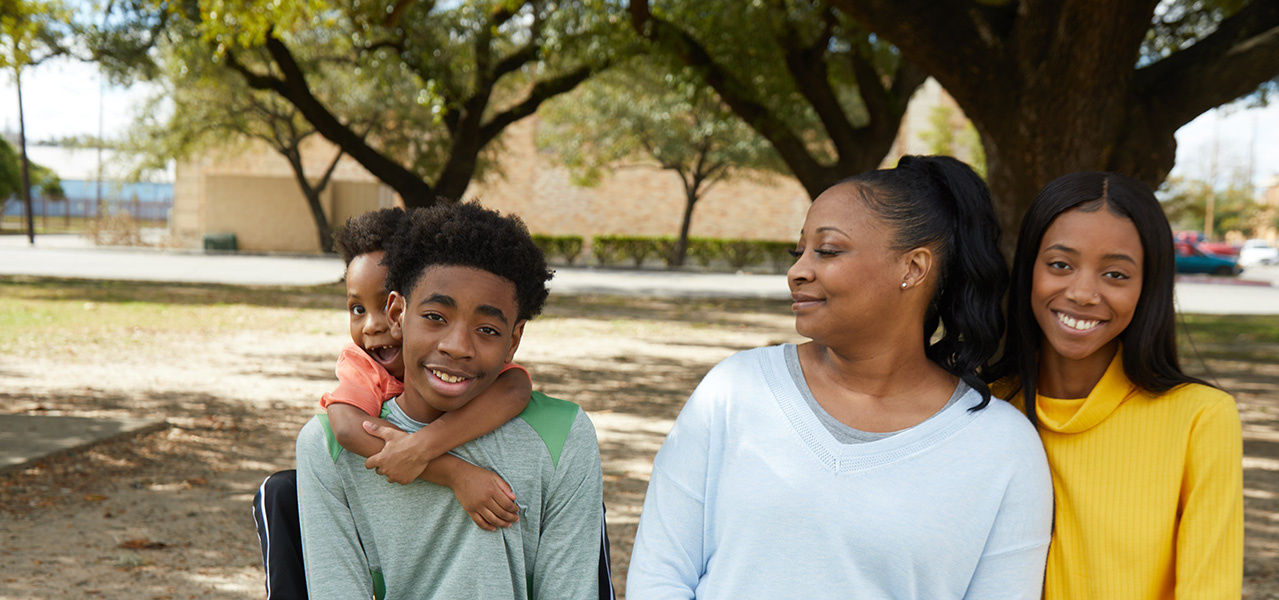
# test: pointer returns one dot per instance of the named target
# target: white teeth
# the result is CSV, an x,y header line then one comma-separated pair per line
x,y
446,377
1074,323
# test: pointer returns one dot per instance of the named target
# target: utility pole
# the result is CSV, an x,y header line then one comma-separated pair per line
x,y
26,165
1212,177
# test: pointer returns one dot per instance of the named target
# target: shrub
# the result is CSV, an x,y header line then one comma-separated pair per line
x,y
778,254
664,247
115,230
740,253
545,243
606,249
569,247
704,250
563,247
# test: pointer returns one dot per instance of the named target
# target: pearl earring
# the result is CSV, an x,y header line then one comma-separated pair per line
x,y
903,285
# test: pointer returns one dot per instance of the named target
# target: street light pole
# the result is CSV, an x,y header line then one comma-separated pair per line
x,y
26,165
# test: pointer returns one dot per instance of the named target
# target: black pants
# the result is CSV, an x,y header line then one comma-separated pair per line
x,y
275,512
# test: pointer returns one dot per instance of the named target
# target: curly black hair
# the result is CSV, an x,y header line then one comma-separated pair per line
x,y
367,232
469,235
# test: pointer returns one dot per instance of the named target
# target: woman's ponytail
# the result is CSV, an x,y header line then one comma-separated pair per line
x,y
974,279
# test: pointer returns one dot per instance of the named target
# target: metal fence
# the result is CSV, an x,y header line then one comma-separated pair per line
x,y
85,201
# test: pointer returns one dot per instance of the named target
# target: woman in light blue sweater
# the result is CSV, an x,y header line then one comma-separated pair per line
x,y
871,461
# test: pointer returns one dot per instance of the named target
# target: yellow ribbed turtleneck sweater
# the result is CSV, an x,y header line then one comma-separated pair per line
x,y
1148,491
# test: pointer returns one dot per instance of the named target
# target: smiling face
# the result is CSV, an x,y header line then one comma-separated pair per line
x,y
846,276
459,327
1086,283
366,305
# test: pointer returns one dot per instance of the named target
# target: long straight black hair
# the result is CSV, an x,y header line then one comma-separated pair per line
x,y
939,203
1149,341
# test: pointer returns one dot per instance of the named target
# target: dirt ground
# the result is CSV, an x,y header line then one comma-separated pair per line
x,y
167,515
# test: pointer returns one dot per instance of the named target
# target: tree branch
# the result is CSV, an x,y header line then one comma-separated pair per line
x,y
811,174
328,173
1229,63
942,37
293,87
541,92
807,68
884,111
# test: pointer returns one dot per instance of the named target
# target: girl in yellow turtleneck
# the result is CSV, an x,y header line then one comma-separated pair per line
x,y
1146,460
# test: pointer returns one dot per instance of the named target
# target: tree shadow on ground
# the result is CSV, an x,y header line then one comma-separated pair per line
x,y
644,386
203,468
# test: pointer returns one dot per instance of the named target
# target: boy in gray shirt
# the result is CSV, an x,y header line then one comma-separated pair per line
x,y
463,280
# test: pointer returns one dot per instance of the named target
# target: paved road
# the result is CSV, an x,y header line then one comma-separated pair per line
x,y
71,256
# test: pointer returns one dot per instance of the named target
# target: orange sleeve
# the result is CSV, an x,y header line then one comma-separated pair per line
x,y
362,382
508,366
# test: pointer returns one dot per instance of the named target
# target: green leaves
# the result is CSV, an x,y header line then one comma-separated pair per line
x,y
32,31
42,178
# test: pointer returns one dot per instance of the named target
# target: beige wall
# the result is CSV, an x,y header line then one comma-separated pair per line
x,y
636,200
266,213
253,193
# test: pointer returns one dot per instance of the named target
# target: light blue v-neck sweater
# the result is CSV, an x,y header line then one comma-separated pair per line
x,y
752,497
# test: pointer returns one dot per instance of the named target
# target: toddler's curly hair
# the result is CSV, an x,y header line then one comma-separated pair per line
x,y
367,232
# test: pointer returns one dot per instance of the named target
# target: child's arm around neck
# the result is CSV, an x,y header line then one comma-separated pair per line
x,y
402,458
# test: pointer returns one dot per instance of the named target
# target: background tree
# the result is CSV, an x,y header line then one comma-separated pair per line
x,y
825,93
469,69
41,178
204,106
1195,205
1055,87
647,112
950,134
31,32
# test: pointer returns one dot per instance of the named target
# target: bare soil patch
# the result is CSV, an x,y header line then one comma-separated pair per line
x,y
237,371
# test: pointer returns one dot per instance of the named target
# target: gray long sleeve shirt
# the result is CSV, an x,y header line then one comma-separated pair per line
x,y
364,537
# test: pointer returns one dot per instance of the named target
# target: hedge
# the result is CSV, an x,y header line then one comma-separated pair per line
x,y
610,250
563,247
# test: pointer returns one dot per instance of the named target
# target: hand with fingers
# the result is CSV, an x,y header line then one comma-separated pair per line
x,y
486,497
400,460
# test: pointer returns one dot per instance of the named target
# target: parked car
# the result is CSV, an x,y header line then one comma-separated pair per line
x,y
1192,258
1196,238
1258,252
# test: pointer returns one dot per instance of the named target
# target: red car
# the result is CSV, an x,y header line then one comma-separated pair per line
x,y
1196,239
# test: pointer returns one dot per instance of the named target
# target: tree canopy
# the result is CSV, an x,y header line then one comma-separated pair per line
x,y
203,106
1056,87
455,74
825,92
1050,87
42,178
31,31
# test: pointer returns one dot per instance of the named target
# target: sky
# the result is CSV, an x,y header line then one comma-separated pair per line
x,y
62,98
